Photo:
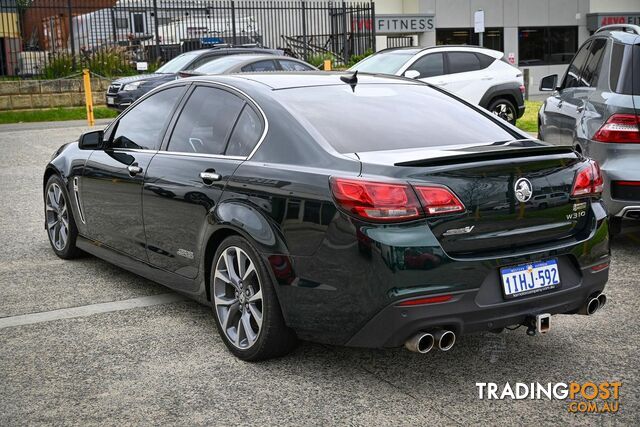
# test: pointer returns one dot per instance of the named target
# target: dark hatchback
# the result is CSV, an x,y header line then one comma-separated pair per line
x,y
363,211
124,91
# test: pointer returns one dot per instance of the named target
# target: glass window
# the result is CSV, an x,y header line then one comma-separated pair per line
x,y
246,133
220,64
546,45
624,59
493,38
205,122
178,63
142,126
385,62
573,77
429,65
293,66
591,71
138,22
361,120
122,23
461,62
260,66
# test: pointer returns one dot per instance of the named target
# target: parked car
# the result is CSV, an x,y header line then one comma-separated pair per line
x,y
249,63
250,192
124,91
596,110
475,74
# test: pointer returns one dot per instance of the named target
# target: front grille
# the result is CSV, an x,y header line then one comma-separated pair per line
x,y
114,88
626,190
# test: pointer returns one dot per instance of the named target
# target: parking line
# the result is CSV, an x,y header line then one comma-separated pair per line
x,y
89,310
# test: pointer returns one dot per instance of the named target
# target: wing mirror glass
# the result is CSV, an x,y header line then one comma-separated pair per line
x,y
412,74
91,140
549,83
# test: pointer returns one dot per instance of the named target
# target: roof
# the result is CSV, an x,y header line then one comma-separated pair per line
x,y
414,49
619,36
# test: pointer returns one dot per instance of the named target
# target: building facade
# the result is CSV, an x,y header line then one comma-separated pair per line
x,y
540,36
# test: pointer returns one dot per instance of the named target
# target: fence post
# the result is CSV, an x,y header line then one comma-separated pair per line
x,y
88,97
304,31
157,31
71,36
372,16
345,39
233,22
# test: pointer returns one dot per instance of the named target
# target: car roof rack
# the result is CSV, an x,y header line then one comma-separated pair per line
x,y
627,28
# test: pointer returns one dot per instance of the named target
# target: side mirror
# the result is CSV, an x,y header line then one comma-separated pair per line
x,y
549,83
412,74
91,140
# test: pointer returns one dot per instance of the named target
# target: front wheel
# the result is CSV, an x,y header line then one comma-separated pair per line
x,y
59,222
247,312
504,109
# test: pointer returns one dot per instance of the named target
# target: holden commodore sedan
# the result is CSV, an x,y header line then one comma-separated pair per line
x,y
347,209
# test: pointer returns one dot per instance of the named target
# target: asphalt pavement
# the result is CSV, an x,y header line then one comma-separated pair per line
x,y
84,343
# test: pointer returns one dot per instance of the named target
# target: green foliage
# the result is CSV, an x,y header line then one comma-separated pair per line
x,y
108,62
317,59
357,58
58,65
529,120
54,114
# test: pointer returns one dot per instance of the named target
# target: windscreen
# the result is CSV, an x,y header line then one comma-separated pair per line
x,y
376,117
384,63
177,64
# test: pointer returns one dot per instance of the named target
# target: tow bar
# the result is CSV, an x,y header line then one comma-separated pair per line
x,y
541,324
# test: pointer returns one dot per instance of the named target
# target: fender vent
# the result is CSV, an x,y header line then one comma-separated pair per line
x,y
76,193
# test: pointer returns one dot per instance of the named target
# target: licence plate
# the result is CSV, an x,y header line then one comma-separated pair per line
x,y
530,278
111,100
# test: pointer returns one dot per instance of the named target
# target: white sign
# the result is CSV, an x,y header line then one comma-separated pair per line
x,y
478,21
404,24
142,66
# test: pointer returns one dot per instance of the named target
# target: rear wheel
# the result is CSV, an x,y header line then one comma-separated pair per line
x,y
247,312
60,225
504,109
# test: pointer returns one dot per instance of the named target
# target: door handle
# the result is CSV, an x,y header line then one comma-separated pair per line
x,y
134,169
487,78
560,104
208,177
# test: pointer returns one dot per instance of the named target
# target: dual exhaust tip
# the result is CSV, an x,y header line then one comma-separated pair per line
x,y
594,304
424,342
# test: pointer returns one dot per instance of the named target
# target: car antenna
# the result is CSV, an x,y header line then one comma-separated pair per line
x,y
351,80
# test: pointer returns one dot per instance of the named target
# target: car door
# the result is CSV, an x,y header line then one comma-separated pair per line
x,y
558,124
430,67
213,133
462,77
112,180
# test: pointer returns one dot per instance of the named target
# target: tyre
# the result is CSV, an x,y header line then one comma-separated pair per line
x,y
59,222
504,109
615,226
246,309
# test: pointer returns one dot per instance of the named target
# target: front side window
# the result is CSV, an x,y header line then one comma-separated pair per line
x,y
430,65
142,126
205,122
573,77
462,62
546,45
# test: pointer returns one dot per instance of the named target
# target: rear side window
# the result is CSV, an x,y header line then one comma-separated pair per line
x,y
293,66
378,117
625,69
429,65
461,62
206,121
260,66
591,71
245,134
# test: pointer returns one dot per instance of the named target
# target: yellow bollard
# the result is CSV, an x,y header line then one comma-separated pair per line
x,y
327,65
88,98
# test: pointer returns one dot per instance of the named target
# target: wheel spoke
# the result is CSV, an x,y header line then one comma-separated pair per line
x,y
224,301
63,235
230,312
240,326
56,234
256,314
256,297
248,272
220,275
241,259
52,199
248,330
228,260
52,224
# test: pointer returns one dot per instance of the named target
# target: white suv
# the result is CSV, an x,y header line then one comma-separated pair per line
x,y
473,73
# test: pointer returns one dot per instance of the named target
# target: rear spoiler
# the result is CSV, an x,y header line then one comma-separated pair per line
x,y
499,154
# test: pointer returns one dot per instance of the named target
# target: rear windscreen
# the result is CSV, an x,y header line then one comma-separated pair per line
x,y
625,69
377,117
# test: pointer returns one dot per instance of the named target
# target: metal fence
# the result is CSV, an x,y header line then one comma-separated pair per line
x,y
52,38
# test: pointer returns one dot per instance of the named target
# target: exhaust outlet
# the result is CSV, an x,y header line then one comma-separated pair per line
x,y
420,343
445,339
592,305
602,300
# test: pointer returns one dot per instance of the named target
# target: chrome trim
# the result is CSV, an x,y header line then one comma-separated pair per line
x,y
264,116
76,193
213,156
624,211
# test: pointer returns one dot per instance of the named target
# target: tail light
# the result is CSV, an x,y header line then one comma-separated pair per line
x,y
588,181
427,300
392,201
620,129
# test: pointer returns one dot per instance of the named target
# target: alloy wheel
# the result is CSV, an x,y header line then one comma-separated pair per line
x,y
57,214
237,294
505,112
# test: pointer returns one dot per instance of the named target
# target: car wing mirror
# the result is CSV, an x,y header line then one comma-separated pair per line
x,y
91,140
549,83
412,74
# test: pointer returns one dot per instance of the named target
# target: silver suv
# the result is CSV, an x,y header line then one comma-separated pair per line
x,y
596,110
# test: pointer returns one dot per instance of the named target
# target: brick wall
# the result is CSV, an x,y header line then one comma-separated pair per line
x,y
32,94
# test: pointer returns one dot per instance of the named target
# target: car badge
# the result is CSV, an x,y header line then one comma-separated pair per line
x,y
523,190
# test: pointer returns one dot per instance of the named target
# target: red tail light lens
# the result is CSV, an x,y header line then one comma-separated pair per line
x,y
620,129
392,202
376,201
428,300
588,181
439,200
